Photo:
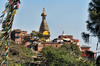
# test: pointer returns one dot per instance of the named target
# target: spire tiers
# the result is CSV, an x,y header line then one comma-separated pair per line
x,y
44,27
44,13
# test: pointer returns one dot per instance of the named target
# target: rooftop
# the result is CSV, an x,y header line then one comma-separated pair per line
x,y
17,30
85,46
50,43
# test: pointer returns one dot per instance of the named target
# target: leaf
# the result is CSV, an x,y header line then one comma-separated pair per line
x,y
85,37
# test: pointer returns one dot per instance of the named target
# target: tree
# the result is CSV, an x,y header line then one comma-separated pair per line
x,y
63,56
36,35
98,61
93,23
73,49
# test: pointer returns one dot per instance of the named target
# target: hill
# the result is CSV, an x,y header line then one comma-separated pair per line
x,y
18,54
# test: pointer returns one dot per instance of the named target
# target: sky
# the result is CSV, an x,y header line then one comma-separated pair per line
x,y
69,16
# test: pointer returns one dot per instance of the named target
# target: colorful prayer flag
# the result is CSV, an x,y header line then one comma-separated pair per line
x,y
1,20
15,11
4,10
10,9
2,15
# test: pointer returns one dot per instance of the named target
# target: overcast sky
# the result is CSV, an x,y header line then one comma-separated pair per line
x,y
69,16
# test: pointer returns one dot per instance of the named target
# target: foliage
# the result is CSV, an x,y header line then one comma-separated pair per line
x,y
36,35
98,61
66,55
18,55
73,49
93,23
85,37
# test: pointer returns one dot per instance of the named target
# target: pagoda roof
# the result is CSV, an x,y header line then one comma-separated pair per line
x,y
85,46
44,26
17,30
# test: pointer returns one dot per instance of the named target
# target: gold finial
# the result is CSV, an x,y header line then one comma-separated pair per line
x,y
44,13
43,9
63,33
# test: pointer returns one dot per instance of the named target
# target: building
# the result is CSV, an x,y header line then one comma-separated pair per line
x,y
68,39
21,37
27,41
86,53
18,36
85,48
44,27
38,46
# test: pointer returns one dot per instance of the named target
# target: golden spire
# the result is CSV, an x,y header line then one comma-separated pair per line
x,y
44,26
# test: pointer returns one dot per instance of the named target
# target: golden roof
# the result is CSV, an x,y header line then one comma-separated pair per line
x,y
44,13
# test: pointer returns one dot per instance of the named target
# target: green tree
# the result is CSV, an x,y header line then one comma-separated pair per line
x,y
63,56
36,35
72,49
93,23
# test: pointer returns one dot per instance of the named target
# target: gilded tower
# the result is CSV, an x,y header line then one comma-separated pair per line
x,y
44,27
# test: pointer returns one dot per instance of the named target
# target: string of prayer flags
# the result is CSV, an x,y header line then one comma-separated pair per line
x,y
11,9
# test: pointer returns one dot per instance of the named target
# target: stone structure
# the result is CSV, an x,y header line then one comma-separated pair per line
x,y
21,37
38,46
68,39
44,27
17,35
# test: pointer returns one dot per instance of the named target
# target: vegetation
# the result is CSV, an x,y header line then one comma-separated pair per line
x,y
66,55
36,35
18,55
93,23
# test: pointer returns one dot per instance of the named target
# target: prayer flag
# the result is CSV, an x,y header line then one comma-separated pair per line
x,y
97,47
2,15
15,11
10,1
4,10
1,20
17,5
